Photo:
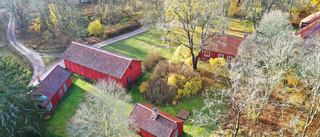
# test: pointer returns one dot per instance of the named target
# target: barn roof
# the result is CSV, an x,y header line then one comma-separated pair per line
x,y
161,127
311,18
230,46
52,83
310,29
98,59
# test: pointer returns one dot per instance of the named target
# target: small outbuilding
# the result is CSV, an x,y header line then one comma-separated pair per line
x,y
309,25
224,46
149,121
96,63
53,87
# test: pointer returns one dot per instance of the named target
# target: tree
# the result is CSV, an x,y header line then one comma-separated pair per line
x,y
271,51
18,110
189,22
104,113
95,28
240,94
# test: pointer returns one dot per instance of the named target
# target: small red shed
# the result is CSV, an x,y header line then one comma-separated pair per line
x,y
96,63
228,50
53,87
152,122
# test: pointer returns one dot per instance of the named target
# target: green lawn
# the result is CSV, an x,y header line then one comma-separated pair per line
x,y
140,46
50,60
188,104
66,108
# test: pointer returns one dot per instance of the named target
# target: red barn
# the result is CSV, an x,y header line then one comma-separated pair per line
x,y
53,87
152,122
96,63
228,50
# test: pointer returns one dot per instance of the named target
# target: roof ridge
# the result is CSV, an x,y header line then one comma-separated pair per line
x,y
141,104
105,51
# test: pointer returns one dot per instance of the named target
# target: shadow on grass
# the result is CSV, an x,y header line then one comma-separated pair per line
x,y
64,110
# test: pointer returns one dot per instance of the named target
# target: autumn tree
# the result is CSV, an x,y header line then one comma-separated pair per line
x,y
104,113
271,50
188,22
19,113
95,28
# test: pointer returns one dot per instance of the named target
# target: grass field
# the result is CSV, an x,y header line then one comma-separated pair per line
x,y
140,46
66,108
50,60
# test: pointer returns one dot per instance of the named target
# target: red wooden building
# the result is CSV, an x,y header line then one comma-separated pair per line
x,y
309,25
228,50
53,87
96,63
152,122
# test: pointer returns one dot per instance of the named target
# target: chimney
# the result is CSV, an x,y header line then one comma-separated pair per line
x,y
38,77
245,35
155,114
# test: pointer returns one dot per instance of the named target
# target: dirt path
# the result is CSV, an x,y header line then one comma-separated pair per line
x,y
35,59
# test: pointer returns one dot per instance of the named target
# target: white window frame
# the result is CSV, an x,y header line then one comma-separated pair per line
x,y
229,58
60,91
65,87
207,53
220,56
49,106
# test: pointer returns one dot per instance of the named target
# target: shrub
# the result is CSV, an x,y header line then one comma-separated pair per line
x,y
95,28
192,87
143,87
217,62
188,61
159,92
181,53
121,28
152,60
125,20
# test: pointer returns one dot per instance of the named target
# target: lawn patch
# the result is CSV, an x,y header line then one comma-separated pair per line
x,y
66,107
50,60
140,46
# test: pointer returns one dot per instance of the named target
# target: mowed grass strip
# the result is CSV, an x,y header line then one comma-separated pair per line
x,y
66,107
140,46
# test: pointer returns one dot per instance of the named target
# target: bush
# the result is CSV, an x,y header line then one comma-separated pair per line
x,y
217,62
121,28
192,87
152,60
181,53
143,87
125,20
95,28
159,92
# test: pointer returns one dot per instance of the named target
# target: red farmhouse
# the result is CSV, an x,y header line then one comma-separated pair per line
x,y
96,63
228,50
152,122
53,88
309,25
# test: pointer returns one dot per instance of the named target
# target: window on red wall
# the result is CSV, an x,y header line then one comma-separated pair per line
x,y
207,53
220,55
130,67
229,58
128,80
60,91
49,106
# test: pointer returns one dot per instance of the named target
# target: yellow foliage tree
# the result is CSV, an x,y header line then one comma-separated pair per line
x,y
95,28
192,87
316,2
217,62
181,53
36,25
144,86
